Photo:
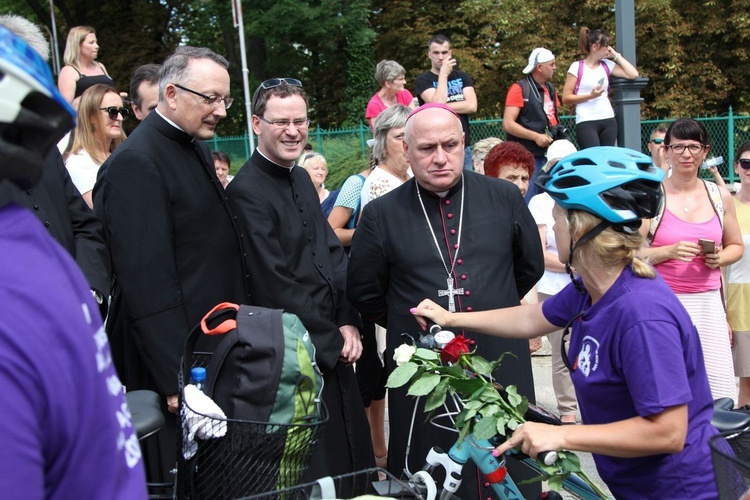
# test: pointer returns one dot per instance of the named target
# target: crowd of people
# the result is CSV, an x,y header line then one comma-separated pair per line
x,y
505,240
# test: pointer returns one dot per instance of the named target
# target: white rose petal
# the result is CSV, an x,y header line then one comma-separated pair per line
x,y
403,354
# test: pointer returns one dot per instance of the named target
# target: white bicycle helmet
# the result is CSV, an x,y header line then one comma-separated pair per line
x,y
33,113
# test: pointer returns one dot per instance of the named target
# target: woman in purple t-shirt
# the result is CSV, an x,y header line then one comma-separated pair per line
x,y
634,355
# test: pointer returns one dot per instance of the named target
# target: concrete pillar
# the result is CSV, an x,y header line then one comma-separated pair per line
x,y
627,100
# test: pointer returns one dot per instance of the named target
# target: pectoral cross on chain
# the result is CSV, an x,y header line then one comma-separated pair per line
x,y
451,292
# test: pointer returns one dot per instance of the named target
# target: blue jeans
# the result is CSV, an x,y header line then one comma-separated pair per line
x,y
467,159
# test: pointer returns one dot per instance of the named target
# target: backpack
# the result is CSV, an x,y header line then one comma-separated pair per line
x,y
713,194
262,372
580,75
264,368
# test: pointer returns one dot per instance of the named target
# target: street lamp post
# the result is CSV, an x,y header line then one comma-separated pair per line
x,y
240,25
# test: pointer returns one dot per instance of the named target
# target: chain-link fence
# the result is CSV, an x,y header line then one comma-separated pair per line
x,y
342,147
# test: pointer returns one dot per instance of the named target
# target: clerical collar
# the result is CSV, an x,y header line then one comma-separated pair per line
x,y
270,161
156,110
442,194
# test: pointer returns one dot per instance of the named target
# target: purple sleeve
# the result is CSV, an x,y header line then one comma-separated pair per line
x,y
652,362
21,457
562,306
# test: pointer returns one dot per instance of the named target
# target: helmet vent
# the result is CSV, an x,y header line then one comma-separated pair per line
x,y
617,164
571,181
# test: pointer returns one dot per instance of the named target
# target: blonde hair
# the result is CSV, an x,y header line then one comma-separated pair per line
x,y
76,36
610,247
89,131
311,157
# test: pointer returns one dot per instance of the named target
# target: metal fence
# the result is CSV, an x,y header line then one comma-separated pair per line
x,y
727,132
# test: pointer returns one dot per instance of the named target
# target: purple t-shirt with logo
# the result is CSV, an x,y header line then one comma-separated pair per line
x,y
637,353
66,426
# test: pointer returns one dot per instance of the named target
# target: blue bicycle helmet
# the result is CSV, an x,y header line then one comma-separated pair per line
x,y
33,114
618,185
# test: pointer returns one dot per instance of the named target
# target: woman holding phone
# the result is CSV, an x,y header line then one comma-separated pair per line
x,y
694,235
587,88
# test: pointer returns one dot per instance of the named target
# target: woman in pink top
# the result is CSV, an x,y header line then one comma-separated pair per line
x,y
698,215
390,76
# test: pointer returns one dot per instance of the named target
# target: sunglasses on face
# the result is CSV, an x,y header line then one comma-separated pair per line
x,y
113,111
744,163
273,83
657,141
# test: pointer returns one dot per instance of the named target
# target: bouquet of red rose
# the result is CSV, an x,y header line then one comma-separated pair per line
x,y
488,408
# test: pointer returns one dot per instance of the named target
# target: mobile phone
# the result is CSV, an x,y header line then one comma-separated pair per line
x,y
709,246
601,82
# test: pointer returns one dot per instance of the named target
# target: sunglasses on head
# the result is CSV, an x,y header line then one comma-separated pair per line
x,y
113,111
657,141
744,163
273,83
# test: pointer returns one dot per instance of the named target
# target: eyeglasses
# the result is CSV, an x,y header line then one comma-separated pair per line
x,y
281,124
744,163
113,111
211,100
657,141
273,83
693,148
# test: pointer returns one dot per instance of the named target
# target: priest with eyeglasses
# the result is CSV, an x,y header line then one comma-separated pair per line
x,y
466,241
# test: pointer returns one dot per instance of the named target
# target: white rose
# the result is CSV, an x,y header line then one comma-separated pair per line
x,y
403,354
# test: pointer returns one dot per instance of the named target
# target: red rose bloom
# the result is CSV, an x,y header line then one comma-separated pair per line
x,y
455,348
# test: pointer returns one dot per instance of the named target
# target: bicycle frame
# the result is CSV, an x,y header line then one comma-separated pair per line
x,y
493,468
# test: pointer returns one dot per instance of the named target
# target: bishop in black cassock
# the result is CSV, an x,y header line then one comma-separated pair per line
x,y
296,263
394,265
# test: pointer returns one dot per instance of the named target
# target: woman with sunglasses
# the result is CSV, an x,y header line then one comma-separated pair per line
x,y
97,134
634,354
690,239
738,284
587,88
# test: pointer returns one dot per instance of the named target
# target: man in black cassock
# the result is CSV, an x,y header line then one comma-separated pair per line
x,y
175,247
444,222
296,263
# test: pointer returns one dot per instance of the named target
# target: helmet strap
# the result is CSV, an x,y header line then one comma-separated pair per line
x,y
574,246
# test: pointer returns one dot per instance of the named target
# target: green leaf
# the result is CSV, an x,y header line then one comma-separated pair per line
x,y
485,428
466,387
513,424
492,410
490,394
501,423
481,365
473,404
426,354
437,397
424,384
402,374
513,397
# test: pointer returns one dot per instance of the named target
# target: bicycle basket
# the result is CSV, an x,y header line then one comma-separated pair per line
x,y
730,453
359,483
251,457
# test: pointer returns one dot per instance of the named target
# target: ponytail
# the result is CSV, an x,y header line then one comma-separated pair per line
x,y
583,39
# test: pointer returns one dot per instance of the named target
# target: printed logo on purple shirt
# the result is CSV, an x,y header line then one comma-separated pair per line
x,y
588,356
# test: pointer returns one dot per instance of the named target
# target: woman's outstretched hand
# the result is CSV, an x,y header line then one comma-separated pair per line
x,y
427,309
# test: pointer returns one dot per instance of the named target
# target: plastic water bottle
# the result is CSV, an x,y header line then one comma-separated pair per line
x,y
198,378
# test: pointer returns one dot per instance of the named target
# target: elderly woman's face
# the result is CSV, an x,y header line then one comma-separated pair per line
x,y
516,174
394,148
317,171
397,84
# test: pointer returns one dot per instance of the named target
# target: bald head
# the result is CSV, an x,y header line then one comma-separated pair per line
x,y
434,144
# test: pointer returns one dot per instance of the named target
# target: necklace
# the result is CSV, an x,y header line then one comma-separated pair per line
x,y
685,206
450,292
